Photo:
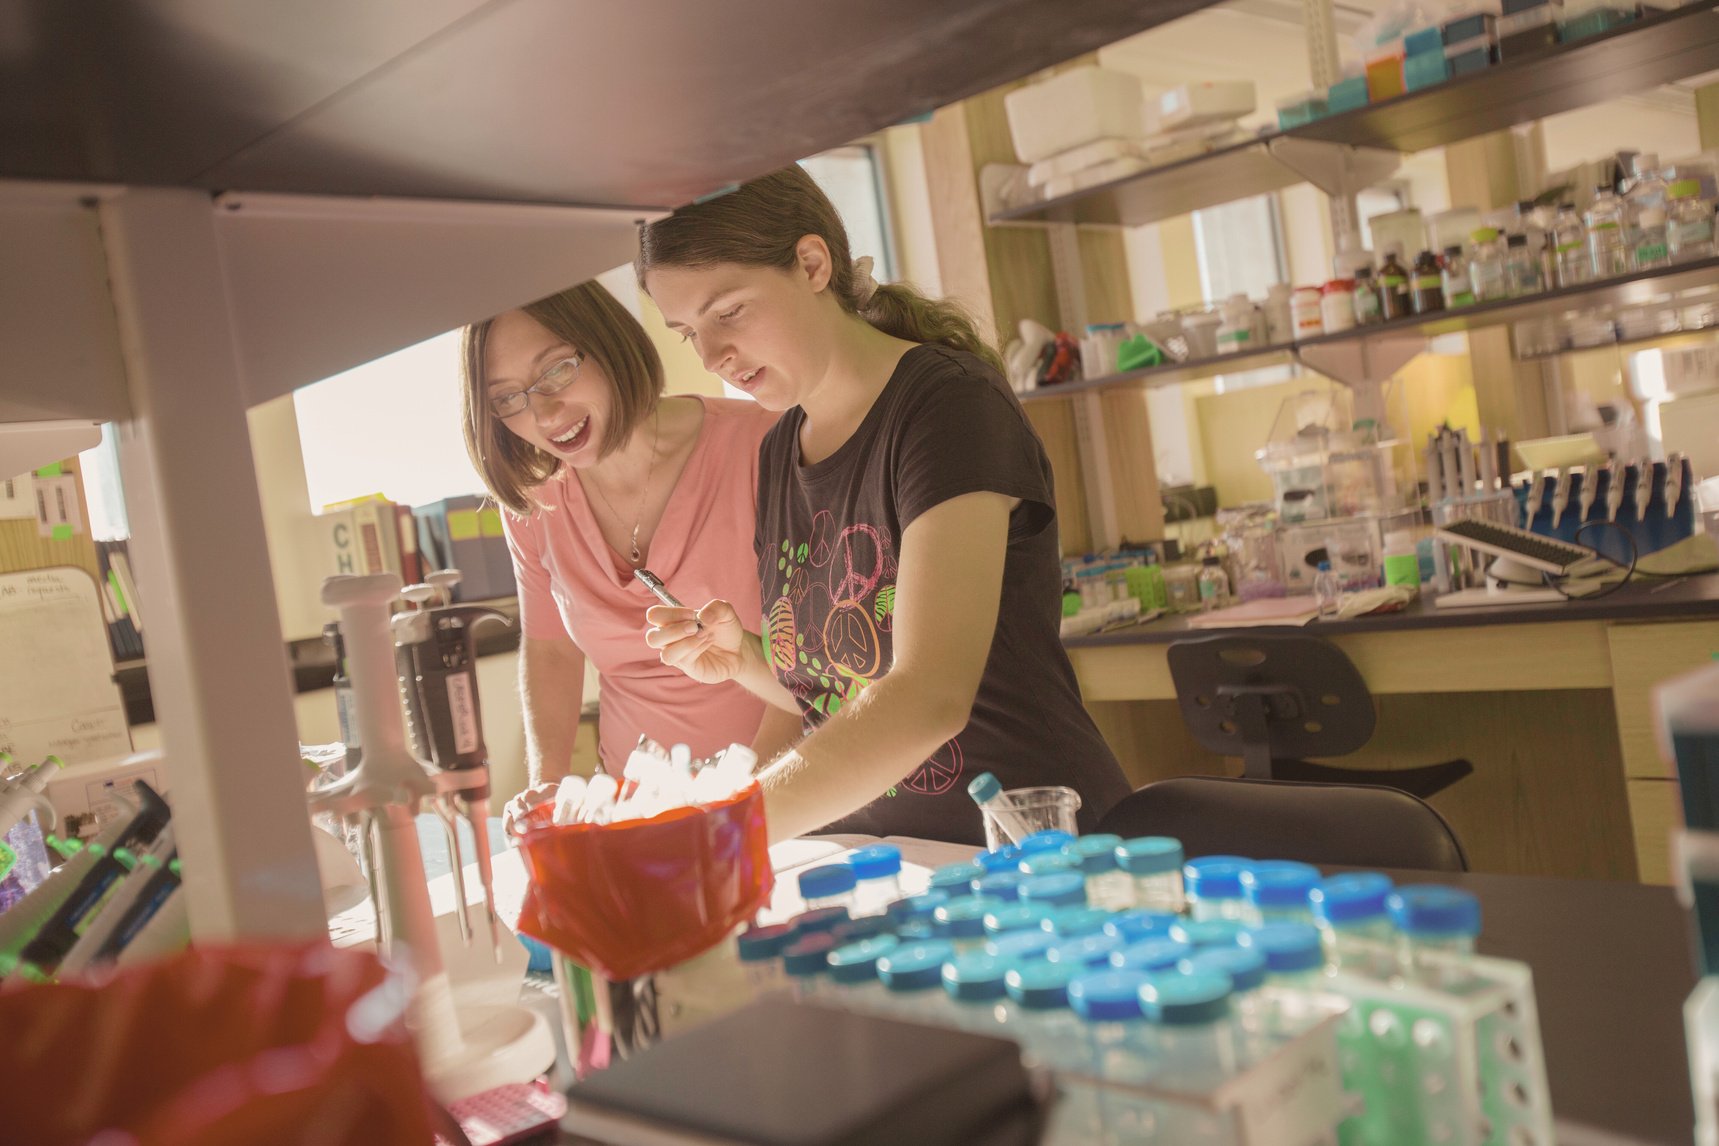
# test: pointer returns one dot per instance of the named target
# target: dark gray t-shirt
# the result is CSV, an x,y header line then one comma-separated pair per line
x,y
828,541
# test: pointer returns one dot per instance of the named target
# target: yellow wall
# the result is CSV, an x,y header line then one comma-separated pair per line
x,y
1234,425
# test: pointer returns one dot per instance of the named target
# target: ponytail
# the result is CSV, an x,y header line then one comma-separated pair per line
x,y
762,222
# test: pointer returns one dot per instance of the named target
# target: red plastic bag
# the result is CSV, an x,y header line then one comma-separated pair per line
x,y
225,1046
631,898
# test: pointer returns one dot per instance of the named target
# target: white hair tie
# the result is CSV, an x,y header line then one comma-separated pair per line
x,y
864,285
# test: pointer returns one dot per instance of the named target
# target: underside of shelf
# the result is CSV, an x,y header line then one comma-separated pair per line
x,y
1239,171
540,101
1636,57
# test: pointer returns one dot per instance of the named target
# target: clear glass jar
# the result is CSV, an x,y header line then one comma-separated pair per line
x,y
1059,889
760,950
1277,891
1048,1032
1433,920
1119,1041
1457,289
1486,273
1608,241
913,975
1107,886
975,985
852,982
1153,956
877,878
1294,958
804,962
1689,226
1365,298
961,922
1246,970
1192,1025
1521,267
829,886
1154,864
1646,203
1570,247
1354,921
1213,887
1214,585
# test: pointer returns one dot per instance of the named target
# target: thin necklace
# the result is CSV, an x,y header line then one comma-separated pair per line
x,y
636,557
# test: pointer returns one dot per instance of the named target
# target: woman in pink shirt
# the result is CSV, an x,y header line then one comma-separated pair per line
x,y
565,418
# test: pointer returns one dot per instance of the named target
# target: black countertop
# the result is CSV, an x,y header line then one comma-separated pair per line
x,y
1673,599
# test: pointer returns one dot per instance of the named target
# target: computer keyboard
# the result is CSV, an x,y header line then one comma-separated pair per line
x,y
1545,554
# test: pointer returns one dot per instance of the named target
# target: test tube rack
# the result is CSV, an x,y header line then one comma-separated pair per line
x,y
1461,1066
1287,1093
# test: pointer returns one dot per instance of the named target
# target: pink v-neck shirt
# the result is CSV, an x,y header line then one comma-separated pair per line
x,y
572,584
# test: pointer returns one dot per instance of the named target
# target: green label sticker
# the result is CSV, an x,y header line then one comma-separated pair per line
x,y
8,858
463,525
62,533
1429,282
49,471
1394,280
1650,252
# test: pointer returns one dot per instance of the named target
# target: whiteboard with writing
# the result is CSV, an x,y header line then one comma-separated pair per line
x,y
57,693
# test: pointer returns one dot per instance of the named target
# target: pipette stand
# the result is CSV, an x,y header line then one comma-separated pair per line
x,y
464,1051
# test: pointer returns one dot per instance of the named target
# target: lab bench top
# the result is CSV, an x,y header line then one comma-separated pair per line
x,y
1690,598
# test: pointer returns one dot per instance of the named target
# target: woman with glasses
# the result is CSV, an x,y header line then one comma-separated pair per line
x,y
907,537
600,475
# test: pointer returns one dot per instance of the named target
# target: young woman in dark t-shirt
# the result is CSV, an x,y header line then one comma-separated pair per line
x,y
907,543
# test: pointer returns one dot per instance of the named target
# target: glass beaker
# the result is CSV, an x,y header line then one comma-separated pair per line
x,y
1024,811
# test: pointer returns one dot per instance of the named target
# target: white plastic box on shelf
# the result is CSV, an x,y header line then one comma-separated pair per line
x,y
1078,107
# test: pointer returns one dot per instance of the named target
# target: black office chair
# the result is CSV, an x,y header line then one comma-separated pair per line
x,y
1272,698
1344,824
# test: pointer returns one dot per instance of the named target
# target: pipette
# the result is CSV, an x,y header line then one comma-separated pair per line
x,y
1643,489
1561,496
1465,463
1488,464
23,795
435,658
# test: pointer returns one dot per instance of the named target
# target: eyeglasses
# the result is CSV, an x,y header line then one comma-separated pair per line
x,y
556,377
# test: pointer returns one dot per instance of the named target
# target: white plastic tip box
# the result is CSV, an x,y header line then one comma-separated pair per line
x,y
1073,109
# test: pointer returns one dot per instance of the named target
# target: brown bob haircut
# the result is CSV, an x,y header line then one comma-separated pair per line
x,y
589,319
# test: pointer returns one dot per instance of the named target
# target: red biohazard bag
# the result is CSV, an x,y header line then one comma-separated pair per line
x,y
217,1046
631,898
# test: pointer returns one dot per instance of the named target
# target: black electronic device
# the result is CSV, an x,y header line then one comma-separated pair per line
x,y
780,1073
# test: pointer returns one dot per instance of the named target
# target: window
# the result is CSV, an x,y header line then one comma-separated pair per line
x,y
853,179
1240,248
391,427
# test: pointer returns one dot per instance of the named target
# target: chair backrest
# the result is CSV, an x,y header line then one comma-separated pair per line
x,y
1271,696
1345,824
